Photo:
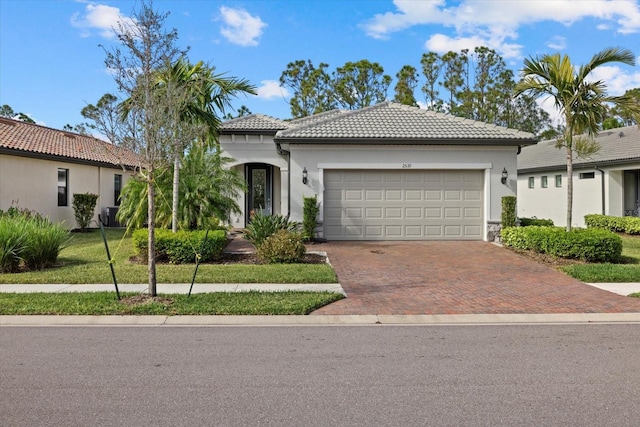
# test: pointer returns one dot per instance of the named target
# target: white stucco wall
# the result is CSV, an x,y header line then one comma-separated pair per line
x,y
551,202
318,158
33,184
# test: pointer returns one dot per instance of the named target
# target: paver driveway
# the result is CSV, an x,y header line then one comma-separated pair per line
x,y
457,278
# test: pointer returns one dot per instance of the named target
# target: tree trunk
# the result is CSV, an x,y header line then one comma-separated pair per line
x,y
151,265
176,187
569,186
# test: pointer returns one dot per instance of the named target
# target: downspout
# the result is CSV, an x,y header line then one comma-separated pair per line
x,y
288,154
602,190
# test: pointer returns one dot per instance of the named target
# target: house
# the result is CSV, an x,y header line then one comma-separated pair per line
x,y
607,182
41,168
385,172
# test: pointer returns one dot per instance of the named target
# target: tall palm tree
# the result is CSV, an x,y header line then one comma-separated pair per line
x,y
581,101
203,93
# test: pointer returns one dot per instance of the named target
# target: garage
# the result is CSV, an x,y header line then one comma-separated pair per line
x,y
403,204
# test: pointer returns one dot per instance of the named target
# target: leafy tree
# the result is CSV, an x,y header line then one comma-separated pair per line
x,y
240,112
581,101
311,87
360,84
407,82
80,128
7,111
431,68
625,114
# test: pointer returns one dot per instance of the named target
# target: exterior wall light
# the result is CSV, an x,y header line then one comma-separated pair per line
x,y
505,175
304,175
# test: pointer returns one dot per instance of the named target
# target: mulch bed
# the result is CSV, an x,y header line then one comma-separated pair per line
x,y
248,259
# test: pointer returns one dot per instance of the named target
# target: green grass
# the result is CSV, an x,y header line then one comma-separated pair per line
x,y
628,271
105,303
84,261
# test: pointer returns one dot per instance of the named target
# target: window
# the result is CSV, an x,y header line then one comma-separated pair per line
x,y
117,188
544,182
63,187
587,175
558,180
531,182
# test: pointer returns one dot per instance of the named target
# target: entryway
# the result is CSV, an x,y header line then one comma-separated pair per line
x,y
260,195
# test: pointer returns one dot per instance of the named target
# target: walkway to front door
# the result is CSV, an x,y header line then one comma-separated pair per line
x,y
456,278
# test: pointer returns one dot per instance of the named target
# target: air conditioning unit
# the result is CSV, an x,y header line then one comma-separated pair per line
x,y
111,217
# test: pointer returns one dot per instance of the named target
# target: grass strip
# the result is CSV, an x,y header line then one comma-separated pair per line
x,y
216,303
604,273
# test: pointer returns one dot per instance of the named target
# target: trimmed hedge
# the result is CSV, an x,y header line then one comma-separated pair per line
x,y
528,222
593,245
618,224
508,217
181,247
283,246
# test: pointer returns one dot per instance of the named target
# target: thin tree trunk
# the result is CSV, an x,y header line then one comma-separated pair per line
x,y
151,265
569,186
176,187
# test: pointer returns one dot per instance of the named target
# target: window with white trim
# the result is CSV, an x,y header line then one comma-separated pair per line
x,y
532,182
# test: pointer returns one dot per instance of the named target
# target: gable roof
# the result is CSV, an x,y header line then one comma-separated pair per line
x,y
393,123
253,124
31,140
617,146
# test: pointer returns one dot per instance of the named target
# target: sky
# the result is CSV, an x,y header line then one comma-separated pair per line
x,y
52,51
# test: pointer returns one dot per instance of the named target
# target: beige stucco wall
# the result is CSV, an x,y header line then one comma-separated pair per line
x,y
33,184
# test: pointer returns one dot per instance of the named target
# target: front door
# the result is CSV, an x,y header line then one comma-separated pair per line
x,y
632,193
260,197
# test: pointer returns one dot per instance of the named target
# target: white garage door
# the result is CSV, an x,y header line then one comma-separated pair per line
x,y
403,205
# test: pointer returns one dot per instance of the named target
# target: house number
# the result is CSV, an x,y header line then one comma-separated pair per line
x,y
406,165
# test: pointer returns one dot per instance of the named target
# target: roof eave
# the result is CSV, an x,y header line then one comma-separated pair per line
x,y
405,141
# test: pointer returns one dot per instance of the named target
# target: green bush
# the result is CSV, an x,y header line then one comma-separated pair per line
x,y
508,211
594,245
528,222
181,247
618,224
29,241
283,246
310,210
83,207
263,226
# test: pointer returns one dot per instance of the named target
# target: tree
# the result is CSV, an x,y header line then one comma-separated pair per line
x,y
407,82
581,101
431,68
148,126
311,86
360,84
7,111
80,128
625,114
240,112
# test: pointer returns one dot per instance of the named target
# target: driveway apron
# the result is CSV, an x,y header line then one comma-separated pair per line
x,y
457,278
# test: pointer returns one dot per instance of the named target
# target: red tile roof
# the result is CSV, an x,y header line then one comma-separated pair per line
x,y
35,140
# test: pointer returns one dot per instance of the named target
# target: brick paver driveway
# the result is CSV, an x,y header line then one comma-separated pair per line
x,y
456,278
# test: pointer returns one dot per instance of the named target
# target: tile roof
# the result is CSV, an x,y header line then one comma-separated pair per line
x,y
621,145
35,140
253,122
390,122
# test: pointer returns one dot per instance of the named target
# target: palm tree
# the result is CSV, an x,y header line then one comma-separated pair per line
x,y
203,92
582,102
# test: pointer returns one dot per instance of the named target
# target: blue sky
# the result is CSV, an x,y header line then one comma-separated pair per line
x,y
51,64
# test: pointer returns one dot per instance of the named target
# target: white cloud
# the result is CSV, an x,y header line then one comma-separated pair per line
x,y
557,43
102,18
497,21
240,27
617,80
271,89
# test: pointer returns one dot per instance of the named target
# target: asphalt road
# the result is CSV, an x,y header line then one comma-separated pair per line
x,y
525,375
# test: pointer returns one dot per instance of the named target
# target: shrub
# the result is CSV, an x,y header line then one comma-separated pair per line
x,y
283,246
263,226
592,245
310,210
181,247
618,224
528,222
83,207
508,211
30,241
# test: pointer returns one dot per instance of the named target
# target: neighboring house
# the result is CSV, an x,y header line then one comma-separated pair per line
x,y
607,182
386,172
41,168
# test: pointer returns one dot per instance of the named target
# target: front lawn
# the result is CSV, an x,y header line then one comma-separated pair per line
x,y
84,261
218,303
628,271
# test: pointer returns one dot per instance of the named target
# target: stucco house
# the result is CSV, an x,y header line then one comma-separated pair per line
x,y
385,172
41,168
607,182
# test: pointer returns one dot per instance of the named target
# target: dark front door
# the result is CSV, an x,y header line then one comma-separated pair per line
x,y
260,197
632,193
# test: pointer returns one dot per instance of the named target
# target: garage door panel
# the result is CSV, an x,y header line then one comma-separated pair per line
x,y
403,205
